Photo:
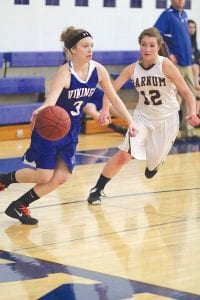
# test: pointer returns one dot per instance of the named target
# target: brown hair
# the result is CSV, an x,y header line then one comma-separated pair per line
x,y
163,51
68,35
151,32
154,32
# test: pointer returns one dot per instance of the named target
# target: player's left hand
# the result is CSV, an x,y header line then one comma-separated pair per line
x,y
105,118
194,120
104,122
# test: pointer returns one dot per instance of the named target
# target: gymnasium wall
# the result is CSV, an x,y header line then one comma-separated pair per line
x,y
37,27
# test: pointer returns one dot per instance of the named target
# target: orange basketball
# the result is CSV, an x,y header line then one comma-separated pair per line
x,y
52,123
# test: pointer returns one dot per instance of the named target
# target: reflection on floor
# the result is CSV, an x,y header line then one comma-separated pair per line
x,y
101,285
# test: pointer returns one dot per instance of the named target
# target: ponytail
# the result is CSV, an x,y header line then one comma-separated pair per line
x,y
164,50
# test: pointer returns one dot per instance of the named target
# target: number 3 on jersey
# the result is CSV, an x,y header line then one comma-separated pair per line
x,y
77,106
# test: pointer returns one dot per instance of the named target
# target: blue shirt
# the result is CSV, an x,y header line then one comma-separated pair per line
x,y
78,94
43,153
173,26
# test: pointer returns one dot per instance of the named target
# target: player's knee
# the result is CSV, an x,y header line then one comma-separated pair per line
x,y
61,179
123,157
44,178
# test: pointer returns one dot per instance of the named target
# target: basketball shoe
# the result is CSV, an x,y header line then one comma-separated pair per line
x,y
95,196
3,184
150,174
18,211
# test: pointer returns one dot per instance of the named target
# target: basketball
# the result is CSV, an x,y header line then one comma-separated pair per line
x,y
52,123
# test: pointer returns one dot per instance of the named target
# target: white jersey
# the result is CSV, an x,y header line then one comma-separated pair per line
x,y
157,95
155,117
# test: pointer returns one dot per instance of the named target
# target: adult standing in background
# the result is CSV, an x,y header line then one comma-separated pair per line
x,y
192,26
173,26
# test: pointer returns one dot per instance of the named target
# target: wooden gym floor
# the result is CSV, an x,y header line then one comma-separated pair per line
x,y
143,242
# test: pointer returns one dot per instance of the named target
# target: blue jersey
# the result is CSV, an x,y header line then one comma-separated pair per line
x,y
97,99
78,94
43,153
173,26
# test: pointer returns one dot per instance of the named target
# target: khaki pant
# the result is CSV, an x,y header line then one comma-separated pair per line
x,y
186,129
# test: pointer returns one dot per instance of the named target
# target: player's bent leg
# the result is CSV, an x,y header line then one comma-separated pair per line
x,y
19,209
50,180
25,176
115,163
38,175
60,175
111,168
159,146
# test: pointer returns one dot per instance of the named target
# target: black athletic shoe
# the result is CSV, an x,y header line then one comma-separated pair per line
x,y
3,185
95,196
22,213
150,174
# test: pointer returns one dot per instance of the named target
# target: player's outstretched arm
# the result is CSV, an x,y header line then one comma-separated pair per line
x,y
174,75
118,104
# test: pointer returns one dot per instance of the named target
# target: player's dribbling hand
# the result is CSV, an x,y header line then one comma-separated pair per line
x,y
194,120
34,115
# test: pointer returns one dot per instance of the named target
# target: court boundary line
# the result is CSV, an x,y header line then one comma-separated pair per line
x,y
115,196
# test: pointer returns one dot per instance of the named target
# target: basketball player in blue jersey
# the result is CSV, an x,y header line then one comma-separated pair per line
x,y
156,115
94,107
72,88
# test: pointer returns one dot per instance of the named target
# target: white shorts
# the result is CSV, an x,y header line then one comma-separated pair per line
x,y
154,140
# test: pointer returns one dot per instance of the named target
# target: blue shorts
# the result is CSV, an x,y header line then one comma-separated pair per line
x,y
43,154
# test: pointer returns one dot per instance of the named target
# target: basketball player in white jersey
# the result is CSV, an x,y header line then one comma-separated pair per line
x,y
156,114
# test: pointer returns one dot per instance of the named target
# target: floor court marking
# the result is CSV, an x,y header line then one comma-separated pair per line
x,y
129,287
107,286
115,196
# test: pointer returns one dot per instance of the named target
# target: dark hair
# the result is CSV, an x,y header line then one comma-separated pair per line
x,y
193,36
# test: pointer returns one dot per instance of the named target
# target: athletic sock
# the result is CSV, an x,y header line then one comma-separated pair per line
x,y
9,178
28,198
101,183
